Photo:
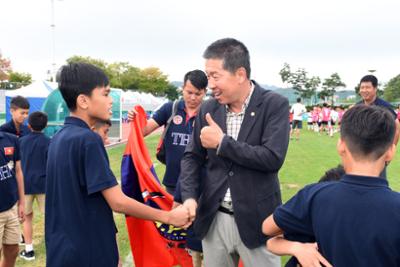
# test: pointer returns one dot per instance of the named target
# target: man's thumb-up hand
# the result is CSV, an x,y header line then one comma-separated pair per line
x,y
210,120
211,135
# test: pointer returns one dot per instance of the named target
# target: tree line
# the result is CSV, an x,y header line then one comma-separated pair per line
x,y
307,86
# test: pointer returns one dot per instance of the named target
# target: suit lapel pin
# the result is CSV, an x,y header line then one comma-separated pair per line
x,y
252,114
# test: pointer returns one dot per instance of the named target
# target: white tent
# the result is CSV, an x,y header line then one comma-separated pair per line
x,y
147,101
36,93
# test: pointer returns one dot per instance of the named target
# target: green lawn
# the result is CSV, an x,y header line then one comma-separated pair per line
x,y
306,161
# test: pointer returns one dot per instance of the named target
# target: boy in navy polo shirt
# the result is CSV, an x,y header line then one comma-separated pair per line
x,y
19,108
297,245
33,148
355,221
81,190
181,126
12,199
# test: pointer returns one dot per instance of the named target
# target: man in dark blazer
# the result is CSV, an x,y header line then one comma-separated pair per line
x,y
241,136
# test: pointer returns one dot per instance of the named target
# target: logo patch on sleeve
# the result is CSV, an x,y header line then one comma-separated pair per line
x,y
9,151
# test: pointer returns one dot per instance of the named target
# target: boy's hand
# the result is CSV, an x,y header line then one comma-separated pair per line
x,y
179,217
21,211
308,256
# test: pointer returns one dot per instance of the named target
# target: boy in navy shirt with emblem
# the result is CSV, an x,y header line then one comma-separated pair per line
x,y
355,221
81,190
19,108
181,127
12,199
33,148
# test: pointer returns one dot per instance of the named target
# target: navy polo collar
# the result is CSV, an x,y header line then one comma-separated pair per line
x,y
365,180
76,121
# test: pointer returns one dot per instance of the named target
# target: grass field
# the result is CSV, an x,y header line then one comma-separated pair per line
x,y
306,161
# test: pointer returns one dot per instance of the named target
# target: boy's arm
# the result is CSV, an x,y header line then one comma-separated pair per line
x,y
21,191
306,253
270,228
120,203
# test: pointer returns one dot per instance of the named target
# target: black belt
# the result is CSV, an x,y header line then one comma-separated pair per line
x,y
225,210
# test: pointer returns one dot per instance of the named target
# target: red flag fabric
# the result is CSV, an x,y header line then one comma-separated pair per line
x,y
153,244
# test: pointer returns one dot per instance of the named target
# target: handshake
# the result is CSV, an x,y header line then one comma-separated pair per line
x,y
183,215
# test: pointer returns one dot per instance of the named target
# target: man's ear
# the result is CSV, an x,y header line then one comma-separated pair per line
x,y
241,74
389,154
341,147
82,101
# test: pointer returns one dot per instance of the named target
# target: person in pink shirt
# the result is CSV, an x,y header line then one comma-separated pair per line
x,y
326,117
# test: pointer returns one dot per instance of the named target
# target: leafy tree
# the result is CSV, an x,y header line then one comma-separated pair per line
x,y
20,77
5,68
330,85
125,76
171,92
299,81
311,87
392,89
285,73
152,80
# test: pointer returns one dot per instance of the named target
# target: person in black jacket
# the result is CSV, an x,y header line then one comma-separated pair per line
x,y
241,136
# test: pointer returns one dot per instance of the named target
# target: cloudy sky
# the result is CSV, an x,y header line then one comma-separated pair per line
x,y
348,37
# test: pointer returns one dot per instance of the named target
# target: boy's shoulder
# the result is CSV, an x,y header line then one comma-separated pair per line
x,y
73,133
34,136
8,136
7,126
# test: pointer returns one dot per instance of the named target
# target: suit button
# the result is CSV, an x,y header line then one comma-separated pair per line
x,y
230,173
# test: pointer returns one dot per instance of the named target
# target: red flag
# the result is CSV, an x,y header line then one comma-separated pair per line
x,y
153,244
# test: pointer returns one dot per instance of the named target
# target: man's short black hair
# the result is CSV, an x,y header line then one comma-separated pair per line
x,y
333,174
298,100
197,78
368,131
370,78
75,79
232,52
37,120
19,102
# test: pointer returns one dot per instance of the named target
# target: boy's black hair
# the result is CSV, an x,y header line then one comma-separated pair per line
x,y
232,52
370,78
368,131
298,100
197,78
19,102
75,79
333,174
101,123
37,120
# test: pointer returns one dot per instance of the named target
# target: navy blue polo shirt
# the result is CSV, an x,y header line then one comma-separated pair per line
x,y
9,155
79,224
355,221
9,127
178,136
33,149
382,103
